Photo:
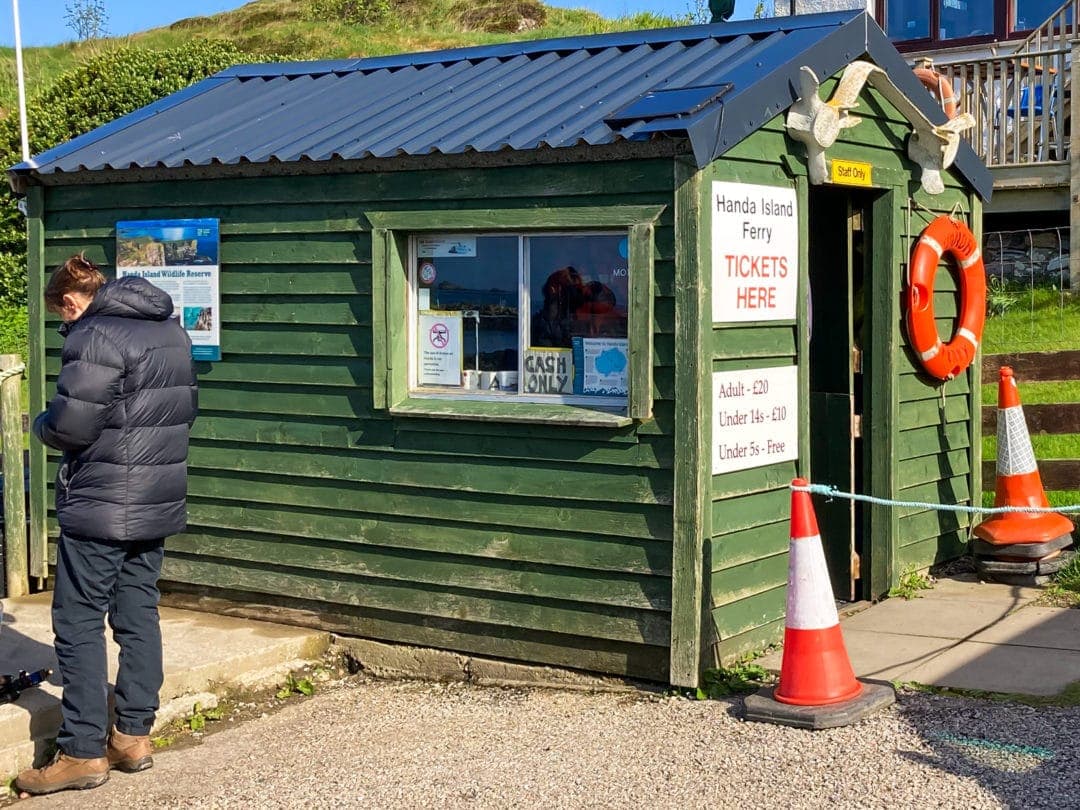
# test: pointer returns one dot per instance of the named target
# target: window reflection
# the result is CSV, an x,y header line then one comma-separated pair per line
x,y
579,288
965,18
481,281
908,19
1033,13
523,314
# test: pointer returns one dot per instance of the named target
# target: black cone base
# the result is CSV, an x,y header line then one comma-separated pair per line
x,y
981,548
1030,573
875,696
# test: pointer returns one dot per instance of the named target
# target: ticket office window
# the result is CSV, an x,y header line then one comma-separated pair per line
x,y
520,317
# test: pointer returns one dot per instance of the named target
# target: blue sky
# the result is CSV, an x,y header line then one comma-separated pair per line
x,y
43,20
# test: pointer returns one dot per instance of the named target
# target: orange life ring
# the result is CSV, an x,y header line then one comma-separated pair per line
x,y
945,235
940,87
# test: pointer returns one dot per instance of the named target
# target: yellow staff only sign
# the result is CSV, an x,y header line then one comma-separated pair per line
x,y
851,173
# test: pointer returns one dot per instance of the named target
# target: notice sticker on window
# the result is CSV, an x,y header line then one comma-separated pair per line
x,y
440,348
435,247
603,366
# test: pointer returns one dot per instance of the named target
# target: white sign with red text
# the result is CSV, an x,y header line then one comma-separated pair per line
x,y
755,253
755,418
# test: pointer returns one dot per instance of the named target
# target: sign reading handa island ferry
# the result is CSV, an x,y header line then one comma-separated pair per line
x,y
755,253
755,418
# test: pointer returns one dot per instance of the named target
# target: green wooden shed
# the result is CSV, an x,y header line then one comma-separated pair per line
x,y
514,350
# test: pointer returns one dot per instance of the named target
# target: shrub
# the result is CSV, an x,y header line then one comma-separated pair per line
x,y
352,12
647,19
98,91
500,16
14,331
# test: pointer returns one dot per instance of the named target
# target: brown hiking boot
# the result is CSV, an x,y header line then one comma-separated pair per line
x,y
129,753
64,773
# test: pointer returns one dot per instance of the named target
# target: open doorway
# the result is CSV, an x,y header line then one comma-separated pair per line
x,y
840,251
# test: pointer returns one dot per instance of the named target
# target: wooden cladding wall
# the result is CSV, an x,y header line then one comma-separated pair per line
x,y
1061,418
924,449
539,542
747,552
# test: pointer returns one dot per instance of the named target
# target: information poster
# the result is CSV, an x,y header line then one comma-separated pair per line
x,y
755,418
755,253
440,342
549,371
602,366
179,256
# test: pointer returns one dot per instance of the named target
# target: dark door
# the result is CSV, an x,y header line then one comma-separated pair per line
x,y
839,248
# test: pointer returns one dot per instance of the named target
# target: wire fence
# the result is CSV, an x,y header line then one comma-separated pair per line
x,y
1031,305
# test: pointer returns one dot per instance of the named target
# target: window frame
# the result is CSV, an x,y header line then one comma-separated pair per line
x,y
392,233
1003,28
524,281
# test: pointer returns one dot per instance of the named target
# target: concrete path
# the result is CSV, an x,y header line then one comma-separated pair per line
x,y
204,654
965,634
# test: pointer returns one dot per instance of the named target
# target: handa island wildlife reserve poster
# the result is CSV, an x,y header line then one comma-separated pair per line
x,y
179,256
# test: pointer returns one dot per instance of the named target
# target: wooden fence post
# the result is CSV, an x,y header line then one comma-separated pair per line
x,y
1074,180
11,372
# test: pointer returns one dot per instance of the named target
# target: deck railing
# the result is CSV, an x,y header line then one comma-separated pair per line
x,y
1020,103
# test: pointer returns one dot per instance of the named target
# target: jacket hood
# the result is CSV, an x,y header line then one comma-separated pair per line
x,y
131,297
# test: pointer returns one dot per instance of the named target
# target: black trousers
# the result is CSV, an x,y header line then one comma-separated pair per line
x,y
95,578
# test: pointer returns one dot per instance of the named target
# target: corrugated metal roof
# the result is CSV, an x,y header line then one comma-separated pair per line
x,y
714,84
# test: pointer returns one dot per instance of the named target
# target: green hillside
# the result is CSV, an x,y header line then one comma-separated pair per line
x,y
302,29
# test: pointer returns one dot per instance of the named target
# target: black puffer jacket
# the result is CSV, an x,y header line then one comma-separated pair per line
x,y
125,401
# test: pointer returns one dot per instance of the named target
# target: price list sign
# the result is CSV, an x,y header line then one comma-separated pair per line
x,y
755,418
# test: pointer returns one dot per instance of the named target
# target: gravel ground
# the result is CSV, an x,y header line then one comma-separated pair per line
x,y
407,744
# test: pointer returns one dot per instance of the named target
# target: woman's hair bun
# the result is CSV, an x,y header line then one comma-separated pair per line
x,y
77,275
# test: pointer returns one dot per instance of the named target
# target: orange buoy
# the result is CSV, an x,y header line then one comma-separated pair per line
x,y
940,88
945,361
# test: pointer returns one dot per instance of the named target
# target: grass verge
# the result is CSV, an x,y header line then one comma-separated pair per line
x,y
1068,697
1040,319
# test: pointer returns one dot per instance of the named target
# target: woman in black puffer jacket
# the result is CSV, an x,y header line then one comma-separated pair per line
x,y
125,401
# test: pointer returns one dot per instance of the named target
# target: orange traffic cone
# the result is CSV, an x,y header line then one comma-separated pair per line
x,y
1018,481
816,670
817,686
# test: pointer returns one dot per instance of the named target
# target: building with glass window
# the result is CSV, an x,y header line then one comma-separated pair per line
x,y
514,350
938,24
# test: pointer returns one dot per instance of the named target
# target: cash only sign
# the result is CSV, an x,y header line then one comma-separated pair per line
x,y
755,278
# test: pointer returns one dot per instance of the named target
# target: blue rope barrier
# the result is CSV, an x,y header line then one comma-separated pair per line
x,y
833,492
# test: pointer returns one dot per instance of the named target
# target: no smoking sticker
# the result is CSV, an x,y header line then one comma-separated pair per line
x,y
439,357
439,335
